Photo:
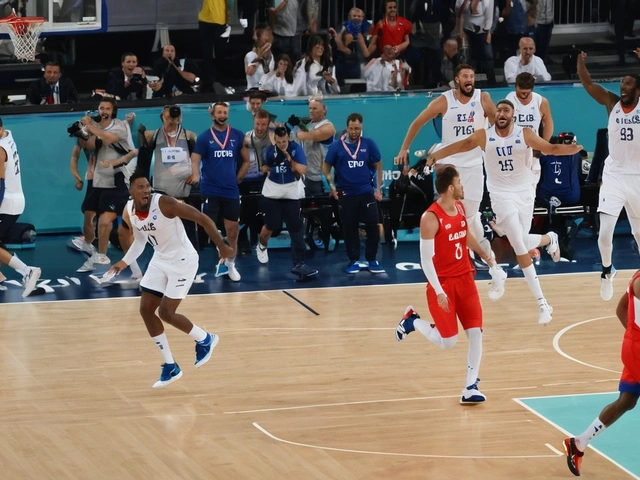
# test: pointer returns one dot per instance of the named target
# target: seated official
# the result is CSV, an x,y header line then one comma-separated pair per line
x,y
129,81
52,88
176,76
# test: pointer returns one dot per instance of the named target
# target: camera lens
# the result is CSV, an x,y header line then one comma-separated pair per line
x,y
174,111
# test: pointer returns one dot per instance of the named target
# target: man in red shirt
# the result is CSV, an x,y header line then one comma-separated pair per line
x,y
629,387
391,30
451,288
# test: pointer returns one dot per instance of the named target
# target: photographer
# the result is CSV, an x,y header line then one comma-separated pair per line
x,y
285,163
176,76
129,81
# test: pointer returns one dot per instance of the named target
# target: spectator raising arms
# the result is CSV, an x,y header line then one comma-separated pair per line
x,y
281,80
316,67
175,75
259,61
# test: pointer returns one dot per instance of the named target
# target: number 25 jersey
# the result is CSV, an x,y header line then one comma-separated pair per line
x,y
624,141
507,162
450,243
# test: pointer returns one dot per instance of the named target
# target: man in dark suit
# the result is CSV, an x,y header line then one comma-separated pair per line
x,y
52,89
175,75
129,81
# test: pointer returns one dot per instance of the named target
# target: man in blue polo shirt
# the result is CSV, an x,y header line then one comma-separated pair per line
x,y
219,162
284,164
354,159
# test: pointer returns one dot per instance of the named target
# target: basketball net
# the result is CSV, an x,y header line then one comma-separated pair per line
x,y
24,33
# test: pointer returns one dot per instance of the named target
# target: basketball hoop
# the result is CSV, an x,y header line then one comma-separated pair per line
x,y
24,33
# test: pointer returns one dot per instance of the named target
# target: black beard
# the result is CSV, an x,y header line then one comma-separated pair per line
x,y
506,127
463,92
218,122
628,103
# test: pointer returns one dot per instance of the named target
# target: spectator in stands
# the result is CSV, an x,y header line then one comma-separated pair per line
x,y
526,61
623,17
176,76
544,27
450,60
129,81
474,27
392,30
259,61
52,88
285,25
514,24
384,74
255,102
281,80
318,67
212,25
430,18
352,50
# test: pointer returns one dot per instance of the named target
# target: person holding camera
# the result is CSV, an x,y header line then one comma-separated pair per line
x,y
109,138
284,166
129,81
177,76
355,158
220,161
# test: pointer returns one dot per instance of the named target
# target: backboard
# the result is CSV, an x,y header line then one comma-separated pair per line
x,y
64,17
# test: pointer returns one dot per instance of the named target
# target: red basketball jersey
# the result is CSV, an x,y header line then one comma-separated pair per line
x,y
633,322
451,258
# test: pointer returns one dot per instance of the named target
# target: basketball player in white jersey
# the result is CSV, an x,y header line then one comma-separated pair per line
x,y
11,207
621,176
508,166
156,219
463,111
532,111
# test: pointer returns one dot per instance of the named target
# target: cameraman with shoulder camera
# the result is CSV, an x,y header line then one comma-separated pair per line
x,y
285,164
109,138
129,81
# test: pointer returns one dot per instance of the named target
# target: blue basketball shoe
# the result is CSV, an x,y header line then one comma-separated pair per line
x,y
204,349
170,373
471,395
405,327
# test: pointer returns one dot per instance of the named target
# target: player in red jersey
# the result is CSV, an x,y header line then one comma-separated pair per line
x,y
451,290
628,312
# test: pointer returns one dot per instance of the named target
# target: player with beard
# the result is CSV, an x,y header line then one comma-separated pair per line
x,y
156,219
225,161
621,175
508,166
463,111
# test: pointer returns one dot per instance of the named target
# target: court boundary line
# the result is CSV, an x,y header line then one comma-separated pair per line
x,y
397,454
383,285
558,336
565,432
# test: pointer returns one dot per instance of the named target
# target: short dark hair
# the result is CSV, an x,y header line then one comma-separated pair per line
x,y
113,103
127,54
354,117
636,78
258,95
463,66
445,178
262,113
281,131
505,102
138,173
53,64
525,81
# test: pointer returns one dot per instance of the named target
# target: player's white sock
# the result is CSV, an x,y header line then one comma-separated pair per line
x,y
531,277
475,354
18,265
197,333
595,429
163,345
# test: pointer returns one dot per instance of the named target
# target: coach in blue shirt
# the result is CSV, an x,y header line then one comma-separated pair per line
x,y
219,162
284,165
354,159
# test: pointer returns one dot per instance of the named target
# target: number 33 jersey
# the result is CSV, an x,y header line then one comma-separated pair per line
x,y
166,235
450,243
624,141
507,162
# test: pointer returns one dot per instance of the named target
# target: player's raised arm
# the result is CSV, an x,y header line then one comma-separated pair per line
x,y
477,139
534,141
435,108
597,92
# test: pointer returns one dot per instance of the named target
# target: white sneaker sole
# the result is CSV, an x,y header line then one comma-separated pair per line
x,y
161,384
31,284
214,342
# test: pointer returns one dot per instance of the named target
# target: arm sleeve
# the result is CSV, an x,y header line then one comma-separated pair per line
x,y
427,251
136,248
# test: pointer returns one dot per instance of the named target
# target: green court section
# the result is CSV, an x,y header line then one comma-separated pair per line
x,y
574,413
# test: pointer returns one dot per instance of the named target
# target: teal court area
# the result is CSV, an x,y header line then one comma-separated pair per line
x,y
573,413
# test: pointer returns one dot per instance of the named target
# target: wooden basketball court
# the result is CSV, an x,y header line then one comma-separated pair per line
x,y
291,394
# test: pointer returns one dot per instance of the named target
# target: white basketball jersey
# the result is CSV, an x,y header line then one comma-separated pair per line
x,y
166,235
624,141
507,162
459,122
13,202
527,115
